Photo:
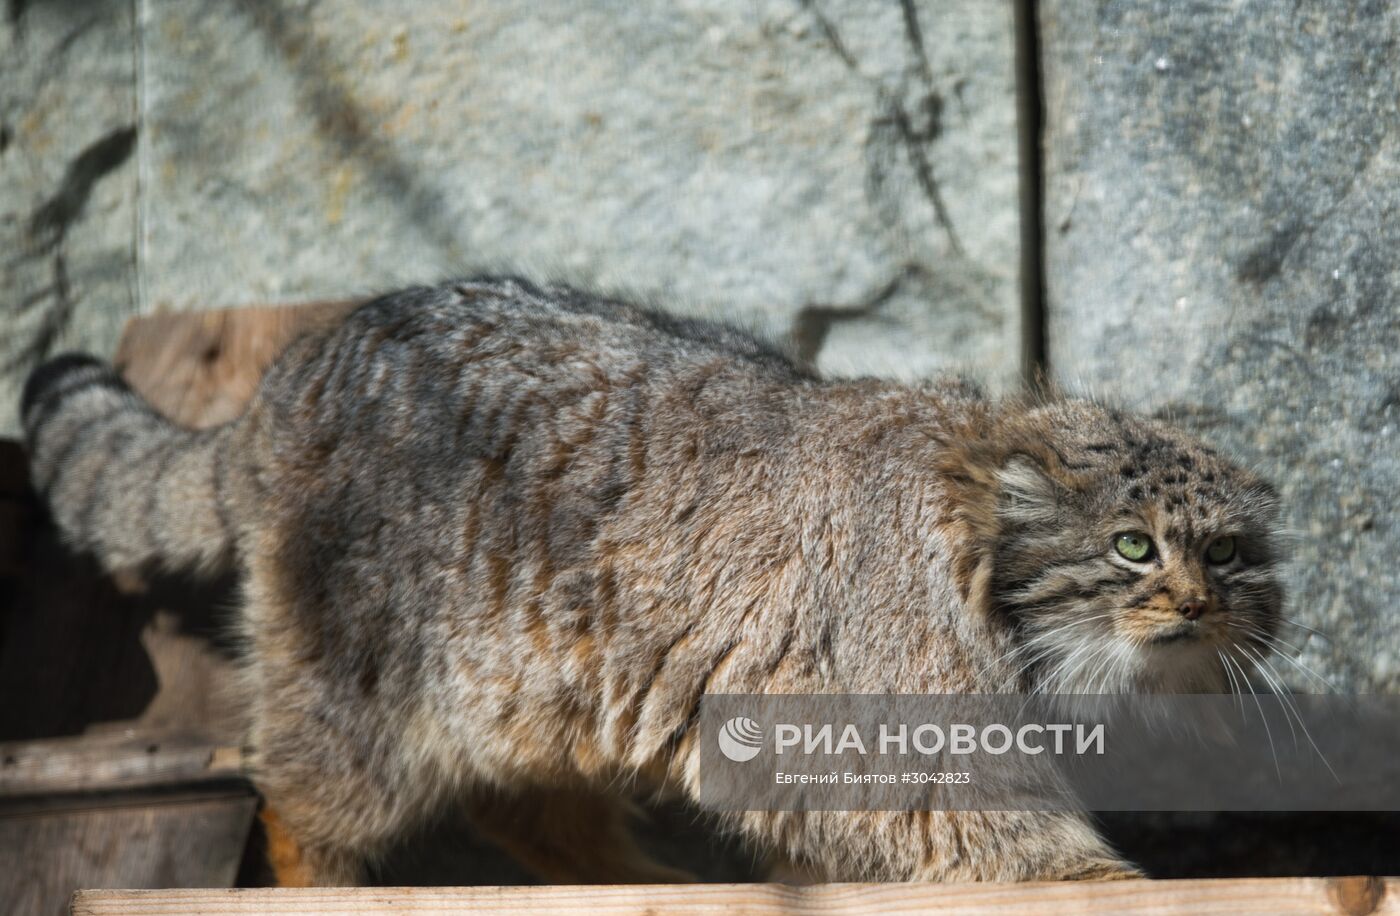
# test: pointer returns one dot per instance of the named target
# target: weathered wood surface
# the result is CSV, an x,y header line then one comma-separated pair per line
x,y
1275,897
201,368
127,761
167,843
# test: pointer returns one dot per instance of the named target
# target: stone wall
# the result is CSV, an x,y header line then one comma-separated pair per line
x,y
1222,245
843,171
68,192
1219,199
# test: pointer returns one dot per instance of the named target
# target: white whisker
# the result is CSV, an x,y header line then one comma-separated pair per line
x,y
1268,732
1273,642
1274,687
1301,724
1302,626
1234,684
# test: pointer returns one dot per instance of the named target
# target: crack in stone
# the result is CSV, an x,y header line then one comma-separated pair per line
x,y
1265,261
833,38
896,114
54,58
915,34
923,171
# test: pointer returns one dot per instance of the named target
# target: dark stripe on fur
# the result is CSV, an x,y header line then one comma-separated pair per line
x,y
122,441
640,697
168,452
220,481
42,381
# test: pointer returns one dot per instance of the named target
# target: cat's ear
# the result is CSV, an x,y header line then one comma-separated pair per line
x,y
1027,494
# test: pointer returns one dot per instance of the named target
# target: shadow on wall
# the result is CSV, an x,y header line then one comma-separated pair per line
x,y
340,119
45,232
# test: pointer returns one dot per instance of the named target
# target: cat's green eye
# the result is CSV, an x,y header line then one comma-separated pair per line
x,y
1221,550
1133,545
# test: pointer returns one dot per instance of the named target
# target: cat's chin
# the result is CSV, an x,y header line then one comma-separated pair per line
x,y
1183,664
1183,660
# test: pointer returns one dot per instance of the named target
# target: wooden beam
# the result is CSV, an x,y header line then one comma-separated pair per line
x,y
113,762
1275,897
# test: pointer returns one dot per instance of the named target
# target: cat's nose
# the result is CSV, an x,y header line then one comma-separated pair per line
x,y
1192,608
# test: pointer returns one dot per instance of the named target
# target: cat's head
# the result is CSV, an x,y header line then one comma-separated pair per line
x,y
1130,557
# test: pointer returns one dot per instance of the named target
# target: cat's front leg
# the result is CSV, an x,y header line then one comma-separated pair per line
x,y
569,835
296,862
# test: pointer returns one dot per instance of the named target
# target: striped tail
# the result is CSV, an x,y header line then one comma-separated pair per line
x,y
121,481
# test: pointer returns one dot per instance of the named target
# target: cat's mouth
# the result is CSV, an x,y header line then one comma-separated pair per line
x,y
1183,632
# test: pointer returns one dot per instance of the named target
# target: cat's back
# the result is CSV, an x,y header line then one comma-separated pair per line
x,y
420,346
414,387
516,322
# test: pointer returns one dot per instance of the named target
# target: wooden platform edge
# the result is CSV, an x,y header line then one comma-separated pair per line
x,y
1353,896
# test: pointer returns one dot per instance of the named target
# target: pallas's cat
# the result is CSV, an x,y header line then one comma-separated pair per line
x,y
497,540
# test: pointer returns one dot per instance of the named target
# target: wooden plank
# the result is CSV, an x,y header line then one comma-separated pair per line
x,y
201,368
1274,897
179,843
114,762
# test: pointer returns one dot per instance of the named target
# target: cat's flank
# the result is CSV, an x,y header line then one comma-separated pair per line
x,y
497,540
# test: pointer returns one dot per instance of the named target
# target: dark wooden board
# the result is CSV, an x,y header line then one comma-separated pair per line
x,y
169,843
